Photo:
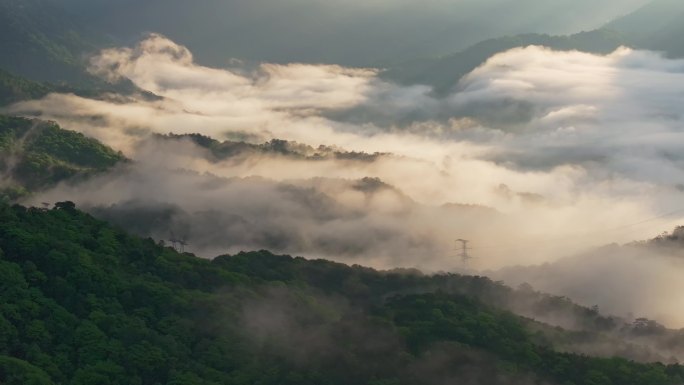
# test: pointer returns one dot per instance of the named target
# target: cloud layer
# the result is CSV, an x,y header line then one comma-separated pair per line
x,y
536,155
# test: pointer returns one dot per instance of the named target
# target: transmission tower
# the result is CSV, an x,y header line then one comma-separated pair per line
x,y
465,257
182,244
174,241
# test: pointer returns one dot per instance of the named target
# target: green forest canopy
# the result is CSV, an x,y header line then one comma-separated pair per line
x,y
36,154
86,303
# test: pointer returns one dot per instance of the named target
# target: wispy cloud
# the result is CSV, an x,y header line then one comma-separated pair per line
x,y
554,147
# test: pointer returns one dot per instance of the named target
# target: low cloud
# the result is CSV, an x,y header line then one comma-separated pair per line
x,y
536,155
616,114
627,281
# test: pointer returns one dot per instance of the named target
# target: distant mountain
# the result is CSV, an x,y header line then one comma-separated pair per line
x,y
656,26
41,41
669,241
444,72
351,33
50,40
36,154
638,271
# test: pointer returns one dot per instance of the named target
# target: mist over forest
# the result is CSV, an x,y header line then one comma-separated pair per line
x,y
535,144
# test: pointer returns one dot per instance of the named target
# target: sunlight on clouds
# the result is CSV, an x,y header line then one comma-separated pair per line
x,y
571,150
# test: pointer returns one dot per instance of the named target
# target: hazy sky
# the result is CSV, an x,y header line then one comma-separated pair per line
x,y
373,32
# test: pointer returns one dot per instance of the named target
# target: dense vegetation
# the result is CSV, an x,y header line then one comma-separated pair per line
x,y
35,154
43,48
42,42
275,147
85,303
14,88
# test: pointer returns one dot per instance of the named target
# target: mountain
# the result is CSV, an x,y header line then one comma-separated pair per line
x,y
635,270
444,72
36,154
44,48
655,26
50,41
15,88
374,33
41,41
276,147
86,303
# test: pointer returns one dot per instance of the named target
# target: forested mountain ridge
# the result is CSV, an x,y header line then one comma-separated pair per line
x,y
445,72
35,154
42,42
350,34
85,303
655,26
275,147
15,88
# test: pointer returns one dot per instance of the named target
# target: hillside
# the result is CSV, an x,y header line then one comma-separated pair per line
x,y
345,33
85,303
633,269
14,88
222,150
444,72
50,41
334,176
42,42
655,26
35,154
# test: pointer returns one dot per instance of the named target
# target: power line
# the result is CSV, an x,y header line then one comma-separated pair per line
x,y
571,237
646,220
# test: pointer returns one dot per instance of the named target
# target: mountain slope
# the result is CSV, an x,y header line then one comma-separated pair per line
x,y
35,154
276,147
443,73
42,42
656,26
638,271
14,88
85,303
375,33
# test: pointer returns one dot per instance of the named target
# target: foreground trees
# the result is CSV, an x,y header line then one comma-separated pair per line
x,y
85,303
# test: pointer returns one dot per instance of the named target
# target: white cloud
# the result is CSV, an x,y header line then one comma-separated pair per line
x,y
583,150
